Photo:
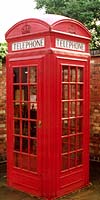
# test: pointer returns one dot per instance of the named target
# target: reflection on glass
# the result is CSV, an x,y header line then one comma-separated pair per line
x,y
72,109
72,126
80,92
73,74
24,73
16,75
64,91
33,74
33,93
64,127
65,109
16,93
80,75
17,143
65,74
73,91
79,108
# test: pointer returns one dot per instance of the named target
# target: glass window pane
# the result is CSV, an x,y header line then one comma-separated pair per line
x,y
24,73
80,92
24,109
33,112
33,146
25,145
33,129
79,158
72,109
64,145
64,91
24,93
33,122
16,126
17,143
79,141
65,109
79,125
79,108
64,162
72,126
16,75
72,143
72,74
64,127
16,93
24,127
33,93
33,74
17,159
65,74
80,75
72,159
16,110
72,91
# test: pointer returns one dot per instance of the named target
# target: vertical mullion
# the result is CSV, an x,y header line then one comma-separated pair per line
x,y
28,137
20,88
68,116
76,114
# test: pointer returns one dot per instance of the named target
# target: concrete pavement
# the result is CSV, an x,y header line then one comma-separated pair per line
x,y
90,193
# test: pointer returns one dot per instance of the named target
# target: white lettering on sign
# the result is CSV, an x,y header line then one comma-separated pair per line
x,y
68,44
29,44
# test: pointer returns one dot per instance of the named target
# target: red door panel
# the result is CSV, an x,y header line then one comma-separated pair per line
x,y
25,129
74,124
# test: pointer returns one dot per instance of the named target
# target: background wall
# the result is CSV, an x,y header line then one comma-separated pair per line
x,y
94,108
2,112
95,105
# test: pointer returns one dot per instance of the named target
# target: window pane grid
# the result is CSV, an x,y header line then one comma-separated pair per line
x,y
25,117
72,116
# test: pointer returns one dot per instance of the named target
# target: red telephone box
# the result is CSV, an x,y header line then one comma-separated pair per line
x,y
48,106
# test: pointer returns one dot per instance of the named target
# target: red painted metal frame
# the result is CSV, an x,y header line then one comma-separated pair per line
x,y
78,176
50,181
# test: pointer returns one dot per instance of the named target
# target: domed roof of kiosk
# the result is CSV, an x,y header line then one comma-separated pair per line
x,y
52,18
47,22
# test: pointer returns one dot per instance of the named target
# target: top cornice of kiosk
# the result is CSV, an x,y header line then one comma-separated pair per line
x,y
47,23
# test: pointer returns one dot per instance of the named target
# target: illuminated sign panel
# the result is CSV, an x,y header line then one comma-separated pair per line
x,y
68,44
29,44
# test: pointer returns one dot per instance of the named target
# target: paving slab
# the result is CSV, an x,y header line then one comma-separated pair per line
x,y
92,192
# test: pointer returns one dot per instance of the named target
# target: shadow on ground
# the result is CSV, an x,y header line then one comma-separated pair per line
x,y
92,192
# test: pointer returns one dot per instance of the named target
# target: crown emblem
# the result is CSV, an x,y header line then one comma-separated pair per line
x,y
72,29
26,29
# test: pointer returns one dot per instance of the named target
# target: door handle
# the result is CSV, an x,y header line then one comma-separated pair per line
x,y
39,124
